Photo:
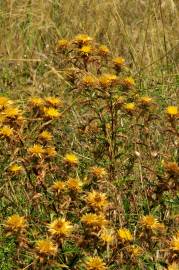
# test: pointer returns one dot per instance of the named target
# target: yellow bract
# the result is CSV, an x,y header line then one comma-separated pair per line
x,y
6,131
60,227
92,219
98,171
103,50
71,159
45,135
108,80
58,186
125,235
46,247
74,184
36,150
172,110
97,199
82,39
95,263
51,113
15,223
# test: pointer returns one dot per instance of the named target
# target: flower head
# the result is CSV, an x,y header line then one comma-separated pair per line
x,y
63,44
172,168
118,62
71,159
130,107
12,112
135,250
172,111
107,236
103,50
51,113
124,235
97,199
46,247
53,101
58,186
36,102
74,184
60,227
89,81
173,266
99,172
45,135
128,82
86,50
36,150
150,222
15,223
175,243
50,151
15,168
95,263
82,39
94,220
145,101
108,80
6,131
4,102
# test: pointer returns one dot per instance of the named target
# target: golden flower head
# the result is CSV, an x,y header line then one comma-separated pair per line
x,y
58,186
130,107
95,263
51,113
128,82
36,150
150,222
172,111
63,43
46,247
6,131
175,243
60,227
108,80
118,62
74,184
124,235
71,159
135,250
15,168
82,39
4,102
103,50
45,135
86,50
95,220
12,112
89,81
53,101
36,101
99,172
97,199
15,223
173,266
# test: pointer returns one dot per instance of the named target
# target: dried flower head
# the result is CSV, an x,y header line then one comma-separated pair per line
x,y
172,168
95,263
53,101
60,227
103,50
46,247
145,101
118,62
99,172
107,236
15,223
97,199
71,159
50,151
124,235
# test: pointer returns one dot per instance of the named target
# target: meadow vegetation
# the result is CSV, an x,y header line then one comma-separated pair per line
x,y
89,135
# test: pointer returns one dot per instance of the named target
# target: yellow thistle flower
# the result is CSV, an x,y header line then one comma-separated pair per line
x,y
128,82
95,263
36,102
135,250
172,168
63,43
50,151
46,247
97,199
107,236
103,50
172,111
86,50
51,113
125,235
89,81
71,159
60,227
12,112
58,186
15,168
4,102
118,62
98,171
82,39
150,222
74,184
45,135
91,219
173,266
36,150
15,223
130,107
6,131
175,243
53,101
108,80
145,101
